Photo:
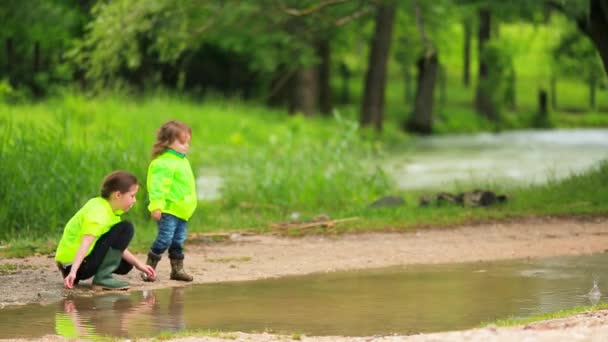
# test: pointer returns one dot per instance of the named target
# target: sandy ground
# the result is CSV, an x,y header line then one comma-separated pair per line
x,y
36,279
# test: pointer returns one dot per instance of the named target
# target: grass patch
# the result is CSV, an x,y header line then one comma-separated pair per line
x,y
8,269
582,195
225,260
514,321
22,247
196,332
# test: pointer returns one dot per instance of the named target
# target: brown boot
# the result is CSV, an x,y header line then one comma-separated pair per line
x,y
153,260
177,270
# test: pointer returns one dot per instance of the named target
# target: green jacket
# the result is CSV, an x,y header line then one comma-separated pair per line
x,y
94,218
171,185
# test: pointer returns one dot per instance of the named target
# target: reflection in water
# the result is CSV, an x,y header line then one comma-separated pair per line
x,y
109,314
595,294
171,319
118,314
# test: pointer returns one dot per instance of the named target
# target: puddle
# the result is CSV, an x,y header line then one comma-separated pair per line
x,y
401,300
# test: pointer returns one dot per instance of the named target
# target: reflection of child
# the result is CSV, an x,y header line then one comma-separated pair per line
x,y
69,324
172,192
87,318
95,240
174,320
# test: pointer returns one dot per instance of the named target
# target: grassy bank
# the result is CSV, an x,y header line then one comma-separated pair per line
x,y
514,321
55,153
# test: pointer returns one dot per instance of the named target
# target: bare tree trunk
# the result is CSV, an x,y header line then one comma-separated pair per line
x,y
325,98
10,60
598,26
541,120
345,76
466,70
511,94
421,120
592,91
36,61
483,101
407,84
443,85
553,92
375,78
36,87
543,110
306,92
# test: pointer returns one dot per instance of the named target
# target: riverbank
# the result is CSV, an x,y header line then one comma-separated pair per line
x,y
36,280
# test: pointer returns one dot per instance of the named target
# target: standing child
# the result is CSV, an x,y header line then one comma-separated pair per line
x,y
95,240
172,194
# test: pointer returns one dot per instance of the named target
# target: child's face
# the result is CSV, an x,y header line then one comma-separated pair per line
x,y
182,143
124,201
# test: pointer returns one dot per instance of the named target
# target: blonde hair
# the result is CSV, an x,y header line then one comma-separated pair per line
x,y
167,134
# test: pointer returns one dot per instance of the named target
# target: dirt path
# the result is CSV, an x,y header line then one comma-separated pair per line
x,y
263,256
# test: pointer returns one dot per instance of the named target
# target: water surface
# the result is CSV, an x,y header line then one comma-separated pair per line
x,y
401,300
519,157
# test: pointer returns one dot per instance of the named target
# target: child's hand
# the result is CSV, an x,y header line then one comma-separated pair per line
x,y
156,214
149,271
68,282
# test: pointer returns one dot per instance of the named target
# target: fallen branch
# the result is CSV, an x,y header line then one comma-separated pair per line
x,y
219,234
306,225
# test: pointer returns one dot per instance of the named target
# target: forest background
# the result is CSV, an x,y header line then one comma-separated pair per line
x,y
294,105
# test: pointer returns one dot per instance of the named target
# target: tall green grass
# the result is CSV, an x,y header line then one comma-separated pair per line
x,y
297,172
47,176
55,154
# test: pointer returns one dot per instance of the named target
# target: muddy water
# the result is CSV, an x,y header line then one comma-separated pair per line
x,y
402,300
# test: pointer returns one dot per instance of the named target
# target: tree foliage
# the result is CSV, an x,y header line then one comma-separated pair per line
x,y
270,33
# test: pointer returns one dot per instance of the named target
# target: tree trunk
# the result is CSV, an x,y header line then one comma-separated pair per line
x,y
511,95
10,60
325,98
543,110
36,61
443,85
483,101
542,116
37,89
466,70
592,91
345,76
306,92
375,78
598,26
421,120
553,92
407,84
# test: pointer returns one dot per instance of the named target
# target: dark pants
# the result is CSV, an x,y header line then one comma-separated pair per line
x,y
118,237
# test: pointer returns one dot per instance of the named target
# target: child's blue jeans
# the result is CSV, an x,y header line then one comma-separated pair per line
x,y
171,235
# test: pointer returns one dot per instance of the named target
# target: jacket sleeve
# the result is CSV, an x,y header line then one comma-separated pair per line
x,y
160,179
